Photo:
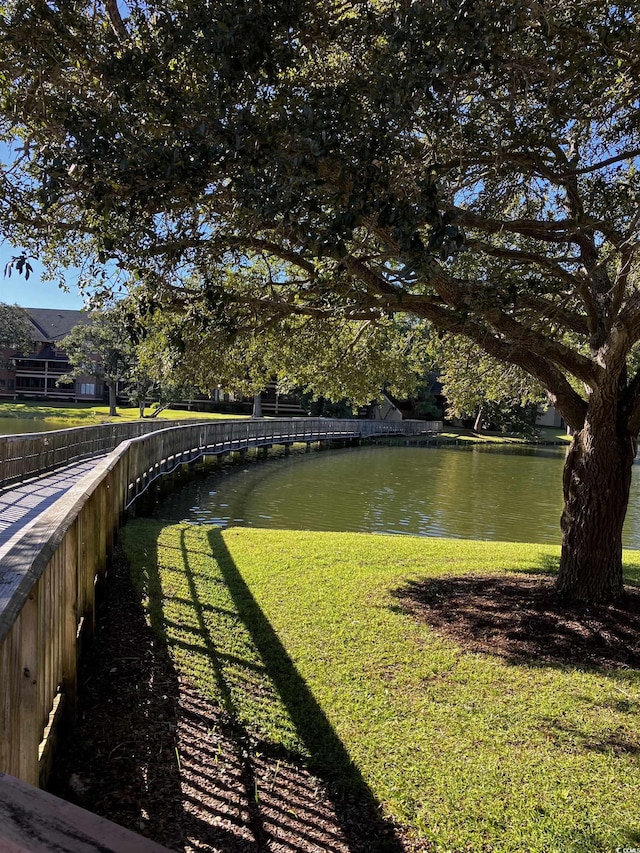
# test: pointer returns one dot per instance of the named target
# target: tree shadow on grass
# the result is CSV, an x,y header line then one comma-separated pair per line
x,y
519,617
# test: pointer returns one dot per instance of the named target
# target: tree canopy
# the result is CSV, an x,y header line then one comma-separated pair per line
x,y
475,385
471,165
242,350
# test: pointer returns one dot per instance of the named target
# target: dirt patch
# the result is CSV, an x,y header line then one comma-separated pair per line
x,y
520,617
152,753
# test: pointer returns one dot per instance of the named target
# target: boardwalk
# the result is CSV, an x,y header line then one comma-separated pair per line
x,y
21,505
56,535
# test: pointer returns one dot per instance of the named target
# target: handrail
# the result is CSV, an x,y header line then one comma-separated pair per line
x,y
31,454
187,444
49,573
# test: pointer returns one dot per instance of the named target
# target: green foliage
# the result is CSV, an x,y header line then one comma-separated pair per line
x,y
16,331
299,637
150,378
470,166
107,347
99,347
473,381
239,347
426,405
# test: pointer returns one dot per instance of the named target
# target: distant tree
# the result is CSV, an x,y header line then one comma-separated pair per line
x,y
16,330
101,347
139,388
425,402
148,381
478,386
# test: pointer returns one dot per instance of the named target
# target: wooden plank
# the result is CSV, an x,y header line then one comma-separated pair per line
x,y
49,740
87,566
101,533
44,652
33,821
29,721
69,626
10,700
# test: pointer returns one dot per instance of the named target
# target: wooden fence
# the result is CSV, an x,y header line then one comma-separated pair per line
x,y
32,454
49,574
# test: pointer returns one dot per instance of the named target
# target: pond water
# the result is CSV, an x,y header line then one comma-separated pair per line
x,y
472,493
480,492
18,426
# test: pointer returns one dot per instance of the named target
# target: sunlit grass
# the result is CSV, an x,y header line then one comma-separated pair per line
x,y
545,435
167,414
49,411
81,414
300,637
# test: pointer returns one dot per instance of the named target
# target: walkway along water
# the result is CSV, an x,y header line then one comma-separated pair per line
x,y
50,569
31,454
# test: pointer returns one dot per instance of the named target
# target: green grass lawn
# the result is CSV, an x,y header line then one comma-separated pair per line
x,y
300,637
81,414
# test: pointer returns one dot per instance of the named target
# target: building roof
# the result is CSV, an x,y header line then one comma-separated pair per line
x,y
53,324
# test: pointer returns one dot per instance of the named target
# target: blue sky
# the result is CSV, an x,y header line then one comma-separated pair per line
x,y
34,293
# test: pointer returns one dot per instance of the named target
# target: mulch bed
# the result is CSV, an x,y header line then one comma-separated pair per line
x,y
520,617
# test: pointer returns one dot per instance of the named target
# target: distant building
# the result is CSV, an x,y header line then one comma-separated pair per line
x,y
35,374
549,417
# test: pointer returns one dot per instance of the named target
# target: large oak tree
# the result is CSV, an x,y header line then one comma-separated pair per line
x,y
469,164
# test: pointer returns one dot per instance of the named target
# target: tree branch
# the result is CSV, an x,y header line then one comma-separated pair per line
x,y
549,310
458,296
560,231
115,19
568,402
525,258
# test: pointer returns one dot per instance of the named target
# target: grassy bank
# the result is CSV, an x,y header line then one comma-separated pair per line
x,y
451,435
302,638
81,414
545,435
85,414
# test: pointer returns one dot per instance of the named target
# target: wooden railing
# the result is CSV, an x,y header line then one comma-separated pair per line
x,y
34,453
48,575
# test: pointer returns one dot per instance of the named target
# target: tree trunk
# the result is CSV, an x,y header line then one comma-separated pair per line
x,y
478,423
596,481
159,409
257,406
111,385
